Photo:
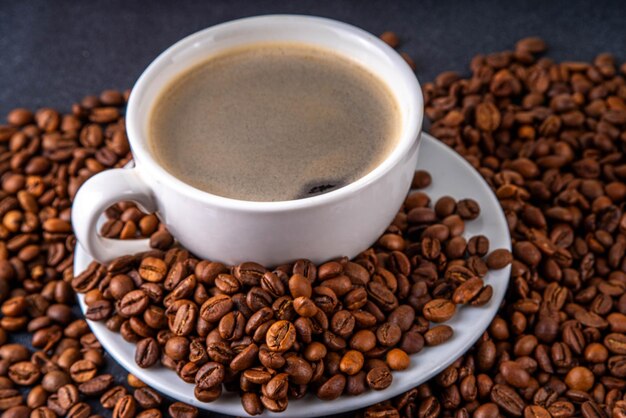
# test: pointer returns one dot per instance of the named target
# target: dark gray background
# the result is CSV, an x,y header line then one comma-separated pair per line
x,y
52,53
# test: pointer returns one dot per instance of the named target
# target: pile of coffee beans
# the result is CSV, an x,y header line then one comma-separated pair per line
x,y
550,138
50,363
276,333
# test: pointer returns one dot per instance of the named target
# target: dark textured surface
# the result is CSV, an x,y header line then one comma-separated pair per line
x,y
52,53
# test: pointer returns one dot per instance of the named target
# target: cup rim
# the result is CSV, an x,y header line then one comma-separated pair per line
x,y
409,135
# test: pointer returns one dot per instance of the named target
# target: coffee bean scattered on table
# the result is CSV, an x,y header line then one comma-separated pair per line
x,y
548,137
50,363
550,140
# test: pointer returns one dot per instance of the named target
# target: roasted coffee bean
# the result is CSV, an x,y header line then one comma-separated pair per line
x,y
208,395
245,358
251,403
299,370
152,269
147,398
438,335
147,352
379,378
439,310
215,308
9,398
281,336
125,407
83,370
24,373
507,399
80,410
352,362
398,359
182,410
580,378
467,209
332,388
210,375
499,258
96,386
277,387
133,303
388,334
109,398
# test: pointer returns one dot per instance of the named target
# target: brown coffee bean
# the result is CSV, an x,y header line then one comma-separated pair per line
x,y
96,386
19,117
133,303
579,378
277,387
379,378
216,307
80,410
421,179
147,398
398,359
514,374
351,362
439,310
363,341
54,379
616,343
161,240
499,258
208,395
147,352
245,358
390,38
281,336
304,306
467,291
36,397
467,209
507,399
125,407
9,398
332,388
82,371
412,341
109,398
67,396
182,410
251,403
210,375
487,410
150,413
299,370
438,335
14,353
24,373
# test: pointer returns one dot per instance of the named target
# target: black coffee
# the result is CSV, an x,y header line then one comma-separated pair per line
x,y
272,122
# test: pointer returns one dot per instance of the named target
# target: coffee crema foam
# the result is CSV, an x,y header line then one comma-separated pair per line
x,y
273,122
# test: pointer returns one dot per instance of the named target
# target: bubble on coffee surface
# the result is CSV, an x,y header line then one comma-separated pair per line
x,y
318,187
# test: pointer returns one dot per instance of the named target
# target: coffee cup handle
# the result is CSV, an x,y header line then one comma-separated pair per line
x,y
94,197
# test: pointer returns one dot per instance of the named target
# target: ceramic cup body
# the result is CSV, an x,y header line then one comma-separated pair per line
x,y
341,222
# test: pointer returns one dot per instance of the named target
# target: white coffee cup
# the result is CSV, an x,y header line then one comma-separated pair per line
x,y
342,222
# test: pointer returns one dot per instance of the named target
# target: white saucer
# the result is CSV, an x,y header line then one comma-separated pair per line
x,y
452,176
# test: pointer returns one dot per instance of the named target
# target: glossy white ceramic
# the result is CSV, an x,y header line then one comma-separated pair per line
x,y
452,176
341,222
